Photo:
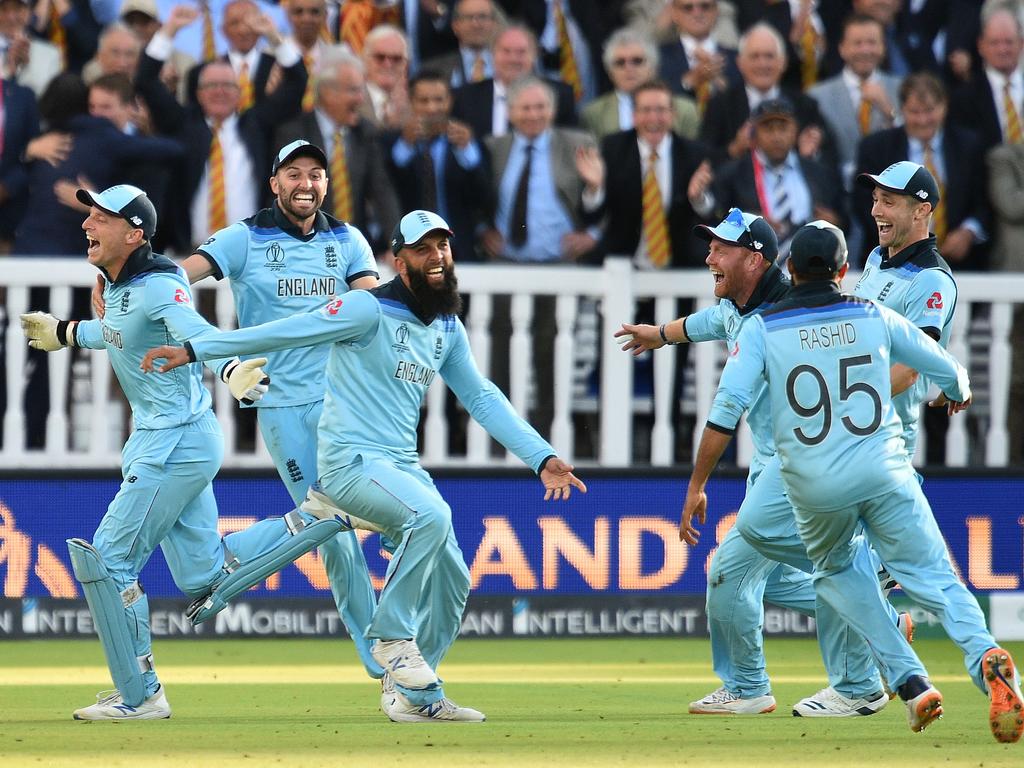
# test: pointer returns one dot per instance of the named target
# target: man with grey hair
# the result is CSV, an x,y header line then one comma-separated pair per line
x,y
337,124
475,23
386,57
761,62
631,59
117,53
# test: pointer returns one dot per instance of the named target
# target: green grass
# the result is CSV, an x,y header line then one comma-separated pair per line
x,y
549,702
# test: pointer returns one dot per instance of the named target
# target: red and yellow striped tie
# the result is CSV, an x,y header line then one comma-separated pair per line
x,y
341,188
357,18
57,35
655,228
247,97
479,69
217,210
864,116
703,94
209,41
939,223
568,68
808,54
308,96
1014,134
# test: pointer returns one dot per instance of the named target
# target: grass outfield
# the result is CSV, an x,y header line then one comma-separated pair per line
x,y
549,702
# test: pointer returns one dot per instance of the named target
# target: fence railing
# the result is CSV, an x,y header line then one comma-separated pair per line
x,y
593,380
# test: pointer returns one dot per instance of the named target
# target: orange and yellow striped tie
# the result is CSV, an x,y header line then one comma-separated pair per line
x,y
479,69
57,35
247,97
939,223
357,18
341,188
308,96
808,54
217,210
703,94
209,42
1014,134
655,228
864,117
568,68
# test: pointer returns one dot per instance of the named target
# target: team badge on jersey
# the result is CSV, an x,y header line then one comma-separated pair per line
x,y
438,347
181,296
124,301
330,257
275,257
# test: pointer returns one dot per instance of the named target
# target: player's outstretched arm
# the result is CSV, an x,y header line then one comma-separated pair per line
x,y
640,338
559,480
46,332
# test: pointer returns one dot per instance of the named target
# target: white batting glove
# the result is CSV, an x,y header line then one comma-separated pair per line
x,y
246,380
46,332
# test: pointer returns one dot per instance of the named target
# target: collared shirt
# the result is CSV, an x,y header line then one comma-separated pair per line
x,y
854,85
468,157
189,39
548,40
468,56
755,97
997,82
792,178
327,128
663,173
625,103
499,115
548,221
691,45
252,58
240,195
915,154
378,100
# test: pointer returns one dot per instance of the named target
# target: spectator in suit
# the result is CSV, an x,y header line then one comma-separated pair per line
x,y
761,61
908,37
209,37
71,26
484,105
954,157
812,30
695,63
631,60
117,53
772,179
20,125
428,29
386,57
1006,191
991,102
307,18
33,61
474,22
437,165
354,155
142,18
861,99
216,135
655,19
538,219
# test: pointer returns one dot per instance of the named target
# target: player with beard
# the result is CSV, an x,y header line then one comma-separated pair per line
x,y
387,345
290,258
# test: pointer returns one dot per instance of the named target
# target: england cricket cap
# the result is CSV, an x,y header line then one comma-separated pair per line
x,y
747,230
126,201
414,226
905,178
817,247
299,148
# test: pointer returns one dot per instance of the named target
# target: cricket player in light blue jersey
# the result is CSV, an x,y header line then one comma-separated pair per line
x,y
741,257
284,260
169,460
386,347
826,360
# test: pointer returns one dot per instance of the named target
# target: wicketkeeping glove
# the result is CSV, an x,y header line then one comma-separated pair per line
x,y
246,379
46,332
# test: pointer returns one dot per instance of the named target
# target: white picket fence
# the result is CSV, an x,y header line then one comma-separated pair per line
x,y
90,437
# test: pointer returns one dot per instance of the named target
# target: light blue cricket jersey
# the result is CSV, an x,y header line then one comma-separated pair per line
x,y
149,305
275,271
826,358
919,285
383,357
723,322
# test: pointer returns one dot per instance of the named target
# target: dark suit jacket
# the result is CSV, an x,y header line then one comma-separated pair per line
x,y
675,65
259,79
468,194
256,127
973,106
965,184
623,200
82,34
735,187
473,104
367,173
21,125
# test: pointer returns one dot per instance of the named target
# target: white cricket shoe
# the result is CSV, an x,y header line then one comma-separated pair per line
x,y
722,702
924,709
828,702
403,661
110,706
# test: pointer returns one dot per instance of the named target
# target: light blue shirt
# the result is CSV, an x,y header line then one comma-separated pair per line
x,y
548,221
625,102
468,60
549,42
468,157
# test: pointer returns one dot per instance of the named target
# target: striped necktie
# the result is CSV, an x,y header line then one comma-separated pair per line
x,y
1014,134
939,223
479,69
864,116
217,212
247,97
703,94
209,42
341,187
808,53
782,207
568,68
308,96
655,228
57,35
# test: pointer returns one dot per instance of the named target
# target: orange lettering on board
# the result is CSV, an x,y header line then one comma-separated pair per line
x,y
559,540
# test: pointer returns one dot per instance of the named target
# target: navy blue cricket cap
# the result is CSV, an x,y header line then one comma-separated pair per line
x,y
747,230
298,148
126,201
818,246
905,178
414,226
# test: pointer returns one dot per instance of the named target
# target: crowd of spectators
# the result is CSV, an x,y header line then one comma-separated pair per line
x,y
542,130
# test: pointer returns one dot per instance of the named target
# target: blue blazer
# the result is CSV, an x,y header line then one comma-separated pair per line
x,y
21,125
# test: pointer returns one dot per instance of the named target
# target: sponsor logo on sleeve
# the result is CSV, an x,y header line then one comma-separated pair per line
x,y
333,307
934,301
181,296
